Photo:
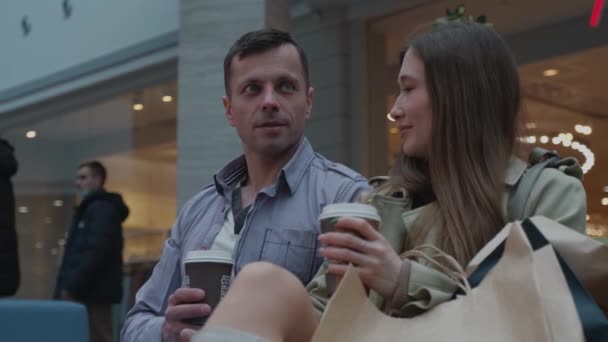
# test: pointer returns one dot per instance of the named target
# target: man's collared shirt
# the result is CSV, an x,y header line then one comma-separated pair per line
x,y
281,227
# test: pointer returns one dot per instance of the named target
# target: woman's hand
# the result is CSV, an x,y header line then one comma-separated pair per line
x,y
355,241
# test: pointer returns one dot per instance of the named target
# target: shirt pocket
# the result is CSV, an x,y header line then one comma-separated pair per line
x,y
292,249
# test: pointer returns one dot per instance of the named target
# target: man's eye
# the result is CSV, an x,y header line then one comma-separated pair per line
x,y
287,87
251,89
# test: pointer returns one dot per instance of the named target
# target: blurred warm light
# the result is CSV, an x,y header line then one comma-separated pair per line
x,y
138,106
566,140
587,217
57,203
582,129
531,125
393,130
23,209
167,98
605,201
550,72
31,134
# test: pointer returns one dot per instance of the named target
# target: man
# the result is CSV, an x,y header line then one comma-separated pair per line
x,y
91,270
262,206
9,258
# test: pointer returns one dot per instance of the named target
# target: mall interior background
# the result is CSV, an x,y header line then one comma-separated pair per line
x,y
126,113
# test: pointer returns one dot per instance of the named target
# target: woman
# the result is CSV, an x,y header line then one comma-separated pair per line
x,y
458,114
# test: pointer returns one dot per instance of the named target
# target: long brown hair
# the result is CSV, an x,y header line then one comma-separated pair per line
x,y
474,92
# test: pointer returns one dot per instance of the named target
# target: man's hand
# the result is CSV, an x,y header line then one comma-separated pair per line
x,y
183,304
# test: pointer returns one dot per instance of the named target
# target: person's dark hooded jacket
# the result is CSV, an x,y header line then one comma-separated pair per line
x,y
91,270
9,261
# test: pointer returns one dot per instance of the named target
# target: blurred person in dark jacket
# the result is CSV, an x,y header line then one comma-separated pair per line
x,y
9,261
91,270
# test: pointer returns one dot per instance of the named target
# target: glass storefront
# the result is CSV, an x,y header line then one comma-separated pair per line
x,y
134,136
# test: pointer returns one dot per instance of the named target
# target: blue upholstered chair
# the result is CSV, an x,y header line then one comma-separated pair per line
x,y
43,320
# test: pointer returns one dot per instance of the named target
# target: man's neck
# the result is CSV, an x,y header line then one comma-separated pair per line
x,y
262,171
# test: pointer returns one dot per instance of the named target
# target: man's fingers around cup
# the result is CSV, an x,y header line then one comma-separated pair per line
x,y
185,311
186,295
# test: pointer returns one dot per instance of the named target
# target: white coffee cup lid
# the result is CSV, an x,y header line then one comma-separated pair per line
x,y
208,256
350,209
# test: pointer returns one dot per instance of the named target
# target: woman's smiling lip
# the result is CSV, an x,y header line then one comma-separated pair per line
x,y
404,130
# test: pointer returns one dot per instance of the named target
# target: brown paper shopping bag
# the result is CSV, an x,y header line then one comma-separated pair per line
x,y
587,257
523,298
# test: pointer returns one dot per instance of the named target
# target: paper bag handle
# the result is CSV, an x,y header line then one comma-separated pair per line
x,y
457,273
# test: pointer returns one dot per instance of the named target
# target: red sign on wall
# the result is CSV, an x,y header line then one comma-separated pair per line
x,y
596,13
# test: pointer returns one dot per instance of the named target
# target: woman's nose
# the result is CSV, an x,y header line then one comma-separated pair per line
x,y
396,113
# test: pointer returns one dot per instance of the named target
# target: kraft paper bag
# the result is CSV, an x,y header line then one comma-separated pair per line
x,y
523,298
588,258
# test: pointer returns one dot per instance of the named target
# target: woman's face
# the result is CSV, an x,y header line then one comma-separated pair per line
x,y
412,109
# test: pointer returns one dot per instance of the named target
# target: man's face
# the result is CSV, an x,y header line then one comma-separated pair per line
x,y
86,181
269,101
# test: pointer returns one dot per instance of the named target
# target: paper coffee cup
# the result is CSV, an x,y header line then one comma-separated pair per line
x,y
210,271
331,213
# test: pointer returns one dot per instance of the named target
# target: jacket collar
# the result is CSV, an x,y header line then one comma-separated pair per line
x,y
515,170
291,174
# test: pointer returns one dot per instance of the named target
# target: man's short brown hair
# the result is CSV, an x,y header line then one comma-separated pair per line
x,y
260,41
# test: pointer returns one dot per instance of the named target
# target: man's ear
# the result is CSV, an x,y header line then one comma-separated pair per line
x,y
309,96
228,109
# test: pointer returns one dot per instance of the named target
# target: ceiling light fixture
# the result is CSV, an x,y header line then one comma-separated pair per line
x,y
550,72
167,98
31,134
544,139
137,102
605,201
